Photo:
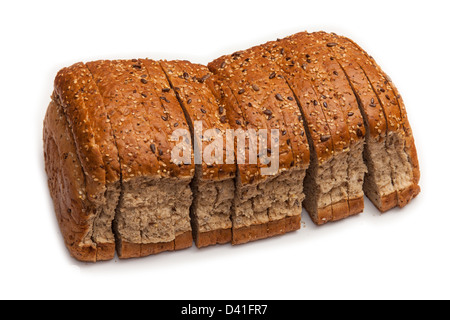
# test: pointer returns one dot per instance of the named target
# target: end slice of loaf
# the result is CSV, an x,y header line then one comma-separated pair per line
x,y
78,113
213,185
255,99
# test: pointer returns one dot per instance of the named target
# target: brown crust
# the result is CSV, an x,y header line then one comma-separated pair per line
x,y
69,87
263,101
356,206
367,98
342,91
210,238
190,83
306,96
266,230
323,215
391,200
105,251
66,182
170,107
407,194
183,241
339,211
137,250
387,202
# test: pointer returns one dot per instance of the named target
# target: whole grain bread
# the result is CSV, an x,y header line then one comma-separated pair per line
x,y
108,146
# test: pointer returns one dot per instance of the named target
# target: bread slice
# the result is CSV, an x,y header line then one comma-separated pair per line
x,y
335,177
378,184
213,185
255,99
77,110
153,213
399,139
341,90
318,181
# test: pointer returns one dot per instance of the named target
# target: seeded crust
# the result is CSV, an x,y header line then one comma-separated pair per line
x,y
253,116
264,102
399,133
189,81
68,93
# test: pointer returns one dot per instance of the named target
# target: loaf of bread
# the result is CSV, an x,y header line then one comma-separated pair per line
x,y
148,156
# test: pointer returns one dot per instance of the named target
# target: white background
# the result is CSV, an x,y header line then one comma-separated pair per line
x,y
401,254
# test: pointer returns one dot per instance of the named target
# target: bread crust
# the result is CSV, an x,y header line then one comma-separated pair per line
x,y
367,98
66,182
388,202
356,206
339,211
265,101
69,86
266,230
210,238
171,109
137,250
